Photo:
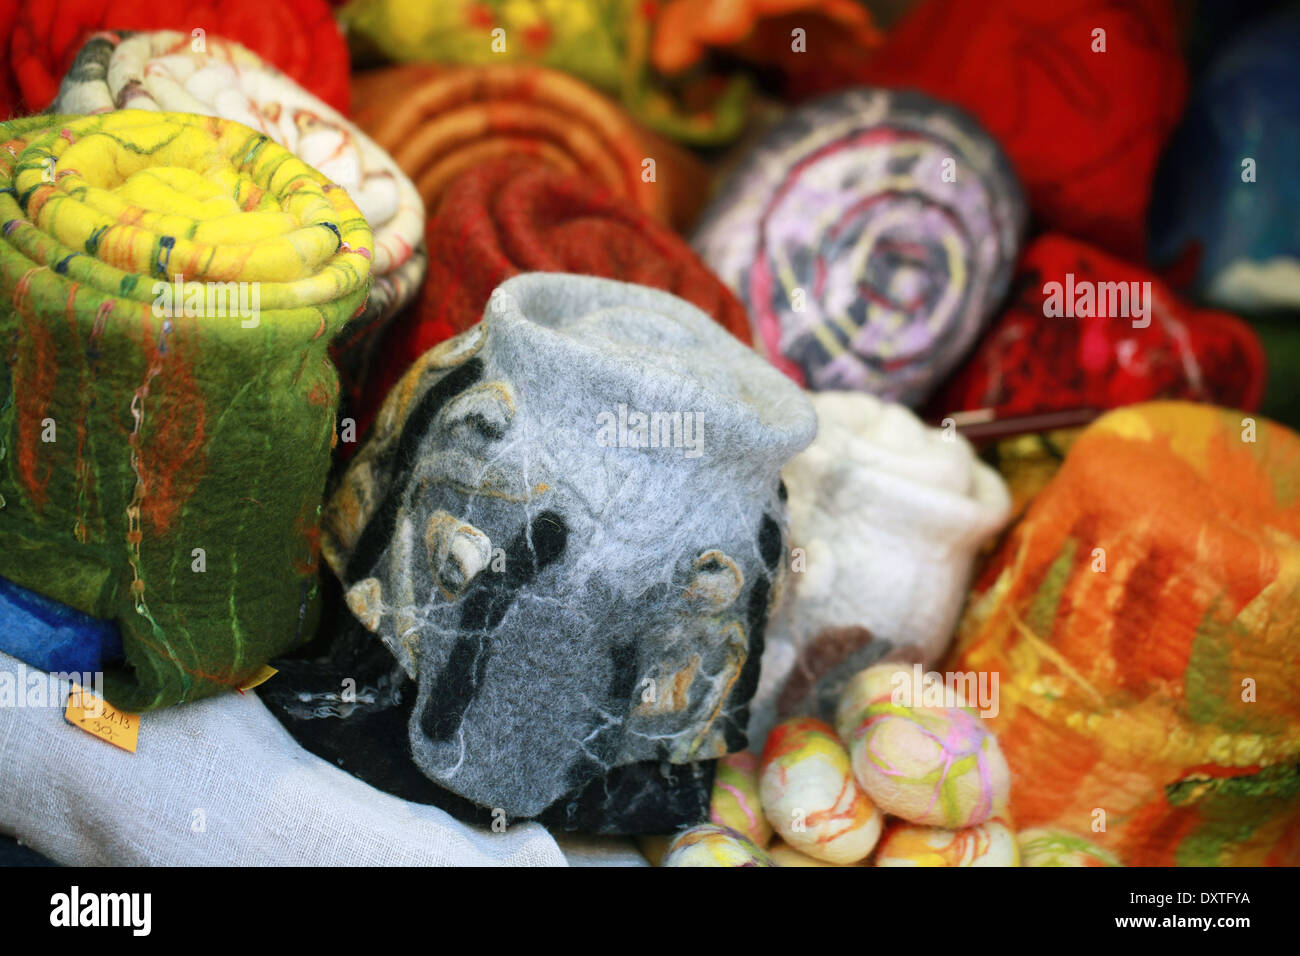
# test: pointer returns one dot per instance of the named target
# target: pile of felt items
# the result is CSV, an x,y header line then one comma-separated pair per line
x,y
604,419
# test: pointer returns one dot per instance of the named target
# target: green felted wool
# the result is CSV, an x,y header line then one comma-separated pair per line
x,y
163,457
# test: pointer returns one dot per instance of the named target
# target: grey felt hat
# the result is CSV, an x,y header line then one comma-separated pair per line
x,y
568,526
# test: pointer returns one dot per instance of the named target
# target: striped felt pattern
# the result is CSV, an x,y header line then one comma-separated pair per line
x,y
135,430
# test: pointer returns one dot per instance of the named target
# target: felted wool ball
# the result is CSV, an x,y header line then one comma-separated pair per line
x,y
870,234
886,517
567,524
989,844
1225,202
711,845
931,765
1080,93
1142,618
735,802
783,854
810,796
866,693
1044,846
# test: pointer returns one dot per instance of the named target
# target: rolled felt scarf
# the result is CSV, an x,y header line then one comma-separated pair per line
x,y
870,235
1225,202
300,37
439,121
163,442
1144,622
1081,93
517,214
1087,330
162,71
886,518
605,43
567,525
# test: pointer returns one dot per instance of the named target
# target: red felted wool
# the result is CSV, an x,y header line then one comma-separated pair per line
x,y
1084,129
517,214
300,37
1029,362
8,85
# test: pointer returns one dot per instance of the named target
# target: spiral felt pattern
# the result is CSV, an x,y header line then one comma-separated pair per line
x,y
870,234
440,121
162,458
161,70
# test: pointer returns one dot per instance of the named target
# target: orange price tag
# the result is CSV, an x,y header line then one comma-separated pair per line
x,y
97,716
261,677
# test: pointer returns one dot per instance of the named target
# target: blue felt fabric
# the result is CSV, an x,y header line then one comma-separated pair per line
x,y
52,636
1203,216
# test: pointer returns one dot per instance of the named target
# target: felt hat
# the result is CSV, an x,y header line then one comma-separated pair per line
x,y
567,525
517,214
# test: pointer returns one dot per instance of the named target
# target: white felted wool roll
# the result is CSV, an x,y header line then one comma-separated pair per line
x,y
217,782
886,515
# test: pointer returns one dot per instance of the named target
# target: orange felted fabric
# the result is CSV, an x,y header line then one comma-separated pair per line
x,y
837,40
439,121
1144,618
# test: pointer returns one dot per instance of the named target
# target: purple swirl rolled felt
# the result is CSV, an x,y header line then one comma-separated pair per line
x,y
870,234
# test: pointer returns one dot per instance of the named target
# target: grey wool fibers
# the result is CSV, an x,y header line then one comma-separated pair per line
x,y
568,526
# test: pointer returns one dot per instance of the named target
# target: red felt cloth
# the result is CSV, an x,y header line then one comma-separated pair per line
x,y
300,37
517,214
1028,363
1083,129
